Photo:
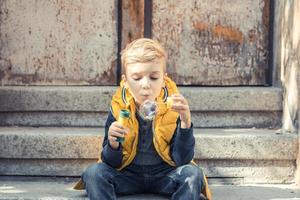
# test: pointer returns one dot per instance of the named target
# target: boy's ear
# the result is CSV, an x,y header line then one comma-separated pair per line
x,y
124,79
164,83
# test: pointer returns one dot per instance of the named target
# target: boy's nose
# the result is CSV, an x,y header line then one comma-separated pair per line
x,y
145,83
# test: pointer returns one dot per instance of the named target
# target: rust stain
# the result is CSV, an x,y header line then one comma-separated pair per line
x,y
266,14
6,75
24,79
200,26
107,77
5,69
252,35
134,10
133,18
136,18
228,33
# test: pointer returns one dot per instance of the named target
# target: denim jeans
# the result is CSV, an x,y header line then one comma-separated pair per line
x,y
105,183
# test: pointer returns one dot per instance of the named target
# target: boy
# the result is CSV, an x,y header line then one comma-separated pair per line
x,y
156,155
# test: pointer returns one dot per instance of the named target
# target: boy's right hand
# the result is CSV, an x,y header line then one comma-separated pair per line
x,y
116,130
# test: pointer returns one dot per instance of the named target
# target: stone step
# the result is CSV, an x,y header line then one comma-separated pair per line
x,y
45,188
253,155
88,106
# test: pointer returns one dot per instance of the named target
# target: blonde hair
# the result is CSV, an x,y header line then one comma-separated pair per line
x,y
141,51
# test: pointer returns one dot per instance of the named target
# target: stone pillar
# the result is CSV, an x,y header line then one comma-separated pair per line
x,y
287,59
298,159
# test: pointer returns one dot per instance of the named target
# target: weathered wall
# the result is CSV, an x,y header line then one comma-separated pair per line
x,y
214,42
58,42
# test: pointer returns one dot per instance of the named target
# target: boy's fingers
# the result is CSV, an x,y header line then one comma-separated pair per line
x,y
112,138
117,124
176,95
119,130
179,107
179,99
116,134
179,104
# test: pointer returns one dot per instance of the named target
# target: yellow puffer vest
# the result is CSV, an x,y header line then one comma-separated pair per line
x,y
164,125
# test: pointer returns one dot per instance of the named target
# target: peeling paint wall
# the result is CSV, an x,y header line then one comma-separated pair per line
x,y
74,42
214,42
58,42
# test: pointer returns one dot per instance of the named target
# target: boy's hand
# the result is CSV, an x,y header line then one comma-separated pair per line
x,y
181,106
116,130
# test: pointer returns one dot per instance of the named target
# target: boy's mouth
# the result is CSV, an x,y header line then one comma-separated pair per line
x,y
145,96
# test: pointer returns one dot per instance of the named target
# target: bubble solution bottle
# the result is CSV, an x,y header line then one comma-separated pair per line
x,y
123,120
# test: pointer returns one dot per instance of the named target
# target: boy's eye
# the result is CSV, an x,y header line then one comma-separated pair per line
x,y
153,78
136,78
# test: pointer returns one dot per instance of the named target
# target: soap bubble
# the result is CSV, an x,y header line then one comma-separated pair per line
x,y
148,109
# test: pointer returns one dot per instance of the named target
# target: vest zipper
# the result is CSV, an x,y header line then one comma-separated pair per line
x,y
155,143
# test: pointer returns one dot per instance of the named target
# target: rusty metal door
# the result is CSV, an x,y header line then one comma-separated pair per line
x,y
209,42
73,42
61,42
214,42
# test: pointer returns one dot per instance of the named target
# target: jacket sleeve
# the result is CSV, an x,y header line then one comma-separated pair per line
x,y
182,145
109,155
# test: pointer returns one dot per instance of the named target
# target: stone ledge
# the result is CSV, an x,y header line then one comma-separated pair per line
x,y
62,98
246,171
85,143
236,119
245,144
45,188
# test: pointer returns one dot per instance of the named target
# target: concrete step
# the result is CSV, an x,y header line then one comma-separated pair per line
x,y
33,188
88,106
248,155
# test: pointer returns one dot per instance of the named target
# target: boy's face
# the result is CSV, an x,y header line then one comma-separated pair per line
x,y
145,80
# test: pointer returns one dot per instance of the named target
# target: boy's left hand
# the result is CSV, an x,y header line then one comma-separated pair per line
x,y
181,106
